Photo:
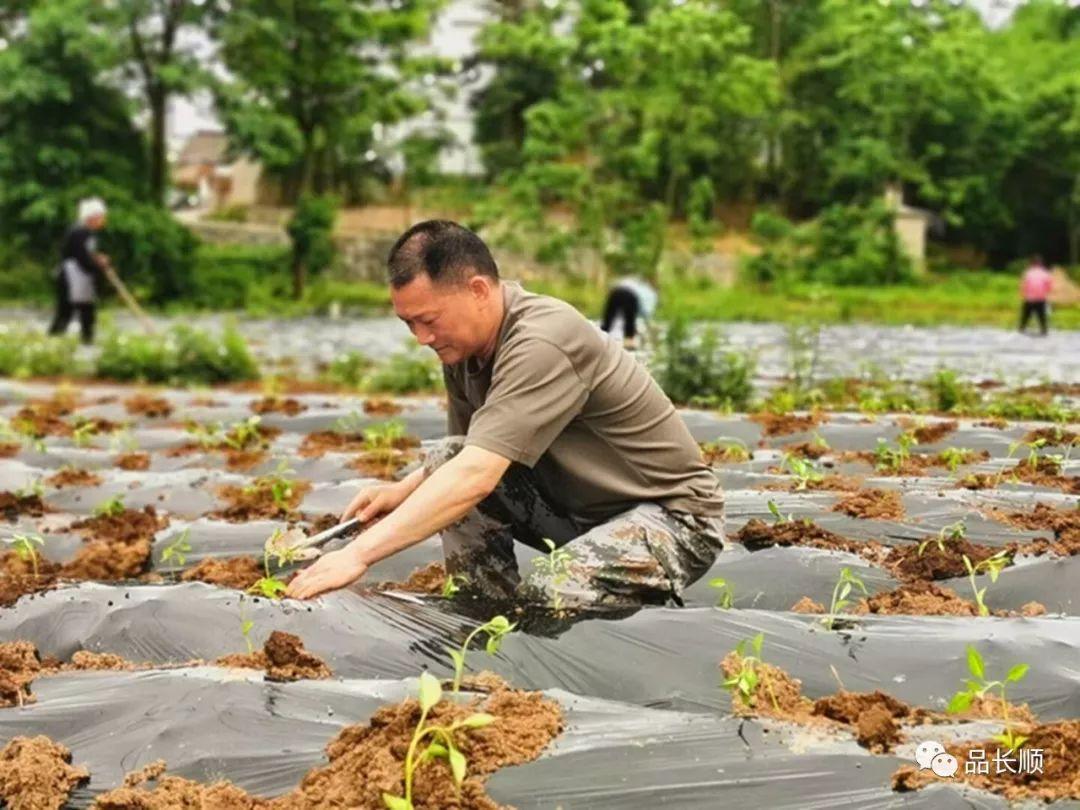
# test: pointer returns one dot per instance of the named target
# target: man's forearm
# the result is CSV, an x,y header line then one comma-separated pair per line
x,y
436,501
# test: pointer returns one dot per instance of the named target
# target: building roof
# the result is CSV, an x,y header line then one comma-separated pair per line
x,y
204,147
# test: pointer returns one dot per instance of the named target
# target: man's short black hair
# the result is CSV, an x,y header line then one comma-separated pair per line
x,y
445,251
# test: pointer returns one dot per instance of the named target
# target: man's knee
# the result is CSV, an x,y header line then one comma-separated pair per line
x,y
441,452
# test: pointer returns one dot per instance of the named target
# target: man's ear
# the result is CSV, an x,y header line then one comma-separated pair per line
x,y
482,288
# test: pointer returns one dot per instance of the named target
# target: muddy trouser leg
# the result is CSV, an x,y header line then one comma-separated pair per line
x,y
647,555
480,546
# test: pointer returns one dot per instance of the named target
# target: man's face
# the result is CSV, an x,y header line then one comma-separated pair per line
x,y
448,318
96,222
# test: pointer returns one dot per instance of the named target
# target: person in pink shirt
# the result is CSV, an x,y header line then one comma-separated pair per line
x,y
1035,289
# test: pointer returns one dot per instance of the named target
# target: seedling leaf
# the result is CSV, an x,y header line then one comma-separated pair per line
x,y
430,691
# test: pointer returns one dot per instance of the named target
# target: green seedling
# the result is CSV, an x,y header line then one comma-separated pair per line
x,y
992,566
555,565
208,435
775,510
745,681
840,595
452,585
270,585
246,626
83,434
381,442
804,472
725,595
123,441
177,550
442,745
496,630
979,686
955,456
111,508
34,488
730,450
350,424
819,441
23,545
244,434
279,484
954,533
893,458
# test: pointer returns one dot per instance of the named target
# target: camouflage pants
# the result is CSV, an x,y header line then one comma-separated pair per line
x,y
646,555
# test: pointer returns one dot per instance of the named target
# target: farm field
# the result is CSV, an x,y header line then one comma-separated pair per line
x,y
876,565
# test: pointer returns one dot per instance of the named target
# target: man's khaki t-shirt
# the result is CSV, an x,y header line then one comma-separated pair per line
x,y
561,397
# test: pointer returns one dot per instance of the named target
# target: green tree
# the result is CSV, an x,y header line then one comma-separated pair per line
x,y
311,231
313,81
154,53
899,92
644,108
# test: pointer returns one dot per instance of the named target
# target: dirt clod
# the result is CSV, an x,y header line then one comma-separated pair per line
x,y
133,461
774,424
285,405
12,505
147,405
73,477
36,774
229,572
877,504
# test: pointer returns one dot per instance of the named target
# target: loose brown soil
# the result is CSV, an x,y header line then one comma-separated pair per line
x,y
1044,473
713,453
828,483
808,450
877,504
756,534
73,477
928,434
807,605
934,563
133,461
9,449
257,501
128,526
36,774
286,405
284,659
243,460
41,419
146,405
381,406
783,424
109,561
230,572
382,463
331,441
874,716
996,422
1059,779
1054,437
429,579
13,505
916,464
19,665
17,577
366,760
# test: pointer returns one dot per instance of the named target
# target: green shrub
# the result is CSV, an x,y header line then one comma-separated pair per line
x,y
349,369
237,276
702,371
405,373
22,279
183,354
311,231
230,213
949,392
31,354
152,252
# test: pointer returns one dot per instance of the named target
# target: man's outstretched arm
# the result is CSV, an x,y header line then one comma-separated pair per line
x,y
442,498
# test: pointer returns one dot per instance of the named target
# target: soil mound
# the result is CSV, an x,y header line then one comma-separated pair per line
x,y
12,505
133,461
286,405
73,477
129,525
146,405
258,501
381,406
878,504
229,572
783,424
36,774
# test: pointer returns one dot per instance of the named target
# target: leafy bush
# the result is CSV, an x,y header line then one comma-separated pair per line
x,y
847,245
949,392
30,354
702,371
405,373
311,231
237,276
183,354
349,369
230,213
152,252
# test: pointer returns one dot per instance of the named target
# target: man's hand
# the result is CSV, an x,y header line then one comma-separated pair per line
x,y
371,502
333,570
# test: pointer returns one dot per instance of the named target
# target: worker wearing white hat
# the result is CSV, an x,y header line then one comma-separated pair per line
x,y
80,271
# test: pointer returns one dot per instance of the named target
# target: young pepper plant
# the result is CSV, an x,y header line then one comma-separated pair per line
x,y
497,629
953,533
745,681
840,595
979,686
442,745
992,566
177,550
556,566
23,546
